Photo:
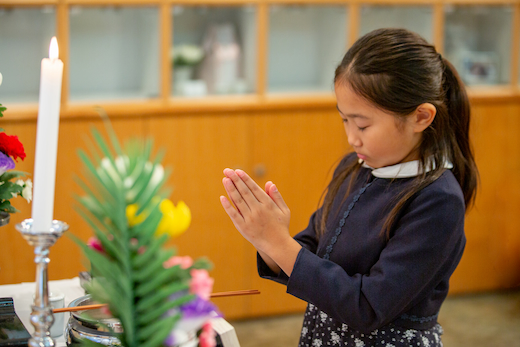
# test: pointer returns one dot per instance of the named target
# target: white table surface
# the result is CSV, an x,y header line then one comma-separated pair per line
x,y
22,295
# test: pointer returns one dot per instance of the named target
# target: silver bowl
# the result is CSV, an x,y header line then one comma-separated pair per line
x,y
93,325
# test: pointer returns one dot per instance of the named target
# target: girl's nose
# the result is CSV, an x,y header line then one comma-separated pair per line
x,y
352,139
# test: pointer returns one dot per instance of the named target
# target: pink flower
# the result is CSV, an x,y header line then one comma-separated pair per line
x,y
184,262
95,244
105,311
207,336
201,284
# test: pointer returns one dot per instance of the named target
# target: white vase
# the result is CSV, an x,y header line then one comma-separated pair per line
x,y
181,75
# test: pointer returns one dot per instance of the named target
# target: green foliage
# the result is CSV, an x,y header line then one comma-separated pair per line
x,y
129,273
9,189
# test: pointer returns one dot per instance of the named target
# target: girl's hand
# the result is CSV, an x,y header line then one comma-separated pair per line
x,y
262,217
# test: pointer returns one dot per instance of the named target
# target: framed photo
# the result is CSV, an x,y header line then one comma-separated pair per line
x,y
479,68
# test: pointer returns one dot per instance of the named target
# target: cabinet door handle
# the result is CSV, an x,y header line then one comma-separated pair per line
x,y
259,170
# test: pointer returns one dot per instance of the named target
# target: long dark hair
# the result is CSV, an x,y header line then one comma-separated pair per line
x,y
397,71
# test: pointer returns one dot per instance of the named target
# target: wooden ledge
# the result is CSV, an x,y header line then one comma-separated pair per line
x,y
223,104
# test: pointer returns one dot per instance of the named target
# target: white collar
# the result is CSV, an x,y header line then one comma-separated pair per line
x,y
402,170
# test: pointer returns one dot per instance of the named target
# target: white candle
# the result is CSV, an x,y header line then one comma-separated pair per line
x,y
47,140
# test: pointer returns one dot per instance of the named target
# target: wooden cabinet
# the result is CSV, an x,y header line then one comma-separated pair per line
x,y
279,123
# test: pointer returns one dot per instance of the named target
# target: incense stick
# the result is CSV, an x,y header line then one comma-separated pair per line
x,y
78,308
213,295
235,293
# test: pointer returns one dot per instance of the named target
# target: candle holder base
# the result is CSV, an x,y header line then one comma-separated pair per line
x,y
4,218
41,314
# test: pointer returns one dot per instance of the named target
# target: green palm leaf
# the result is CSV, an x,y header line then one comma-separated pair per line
x,y
150,253
155,334
149,271
162,294
130,275
153,314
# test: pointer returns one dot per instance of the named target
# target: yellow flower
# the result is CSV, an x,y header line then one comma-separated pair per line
x,y
132,218
175,220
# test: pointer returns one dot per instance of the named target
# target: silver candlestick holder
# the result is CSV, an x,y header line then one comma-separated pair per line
x,y
41,314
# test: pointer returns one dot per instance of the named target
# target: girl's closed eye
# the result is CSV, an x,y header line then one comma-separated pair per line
x,y
361,128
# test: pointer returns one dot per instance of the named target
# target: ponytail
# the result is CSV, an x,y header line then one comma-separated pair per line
x,y
457,104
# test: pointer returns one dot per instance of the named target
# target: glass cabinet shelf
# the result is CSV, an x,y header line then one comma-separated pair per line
x,y
114,53
117,52
415,18
306,43
213,50
477,42
25,35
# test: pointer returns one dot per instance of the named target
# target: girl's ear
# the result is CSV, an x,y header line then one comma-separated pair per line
x,y
424,116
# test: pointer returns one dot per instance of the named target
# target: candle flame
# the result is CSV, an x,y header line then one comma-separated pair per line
x,y
53,49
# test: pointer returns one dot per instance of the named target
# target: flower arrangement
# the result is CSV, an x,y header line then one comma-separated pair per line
x,y
186,55
11,149
160,299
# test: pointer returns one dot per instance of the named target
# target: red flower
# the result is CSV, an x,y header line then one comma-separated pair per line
x,y
207,337
95,244
11,146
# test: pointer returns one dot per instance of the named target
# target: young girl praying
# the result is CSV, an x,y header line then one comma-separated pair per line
x,y
375,261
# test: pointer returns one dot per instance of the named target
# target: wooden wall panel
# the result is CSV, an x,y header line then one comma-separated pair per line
x,y
492,256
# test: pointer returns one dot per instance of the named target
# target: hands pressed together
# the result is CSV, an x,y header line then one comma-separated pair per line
x,y
262,217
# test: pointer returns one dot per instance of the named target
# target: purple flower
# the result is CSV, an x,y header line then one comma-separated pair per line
x,y
170,340
197,307
194,315
6,163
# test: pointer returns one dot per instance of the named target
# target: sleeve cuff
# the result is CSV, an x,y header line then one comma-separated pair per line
x,y
265,272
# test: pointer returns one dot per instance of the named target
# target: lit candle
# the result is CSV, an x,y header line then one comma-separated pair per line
x,y
47,140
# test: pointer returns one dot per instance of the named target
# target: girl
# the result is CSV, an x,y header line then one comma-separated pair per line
x,y
375,260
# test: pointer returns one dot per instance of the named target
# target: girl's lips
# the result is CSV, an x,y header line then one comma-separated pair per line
x,y
361,156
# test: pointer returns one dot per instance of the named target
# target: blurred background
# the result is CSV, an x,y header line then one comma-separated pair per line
x,y
248,84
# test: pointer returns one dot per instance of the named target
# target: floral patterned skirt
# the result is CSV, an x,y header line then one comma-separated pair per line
x,y
321,330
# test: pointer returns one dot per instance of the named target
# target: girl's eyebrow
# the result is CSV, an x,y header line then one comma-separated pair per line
x,y
353,115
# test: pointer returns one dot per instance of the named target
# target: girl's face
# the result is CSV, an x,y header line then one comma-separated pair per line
x,y
378,137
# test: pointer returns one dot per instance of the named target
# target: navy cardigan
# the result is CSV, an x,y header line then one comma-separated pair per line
x,y
370,281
